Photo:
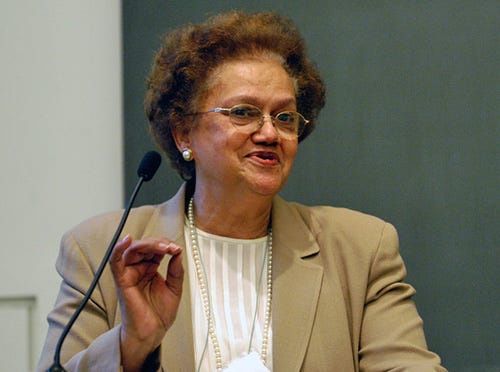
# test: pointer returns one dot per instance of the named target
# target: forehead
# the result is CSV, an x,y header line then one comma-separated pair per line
x,y
261,77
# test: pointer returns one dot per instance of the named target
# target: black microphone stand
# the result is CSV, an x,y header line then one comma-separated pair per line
x,y
144,175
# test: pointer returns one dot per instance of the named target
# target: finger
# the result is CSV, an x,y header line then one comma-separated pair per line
x,y
148,251
175,273
119,248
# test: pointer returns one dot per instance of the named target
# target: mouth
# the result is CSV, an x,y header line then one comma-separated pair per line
x,y
265,157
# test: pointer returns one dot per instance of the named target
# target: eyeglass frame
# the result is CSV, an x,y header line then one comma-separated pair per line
x,y
226,111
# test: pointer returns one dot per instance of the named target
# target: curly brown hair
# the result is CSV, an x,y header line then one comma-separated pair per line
x,y
188,55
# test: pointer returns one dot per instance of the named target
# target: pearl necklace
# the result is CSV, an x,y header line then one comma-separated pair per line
x,y
205,296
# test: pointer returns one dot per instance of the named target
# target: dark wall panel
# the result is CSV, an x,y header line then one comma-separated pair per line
x,y
410,133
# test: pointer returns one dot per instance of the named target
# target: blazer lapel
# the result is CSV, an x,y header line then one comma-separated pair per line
x,y
296,287
177,347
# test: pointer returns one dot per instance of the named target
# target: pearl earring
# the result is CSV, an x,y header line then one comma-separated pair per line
x,y
187,154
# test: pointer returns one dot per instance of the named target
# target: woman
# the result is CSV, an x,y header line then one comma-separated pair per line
x,y
252,282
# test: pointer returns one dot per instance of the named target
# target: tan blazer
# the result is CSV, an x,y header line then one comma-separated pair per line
x,y
339,300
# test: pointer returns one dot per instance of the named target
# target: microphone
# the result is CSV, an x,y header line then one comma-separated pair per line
x,y
149,165
147,169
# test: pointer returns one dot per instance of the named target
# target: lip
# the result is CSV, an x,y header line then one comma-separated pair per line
x,y
265,157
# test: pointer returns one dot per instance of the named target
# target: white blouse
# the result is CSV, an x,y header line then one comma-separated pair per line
x,y
233,270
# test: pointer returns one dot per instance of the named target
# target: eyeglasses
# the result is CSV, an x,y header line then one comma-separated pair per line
x,y
249,119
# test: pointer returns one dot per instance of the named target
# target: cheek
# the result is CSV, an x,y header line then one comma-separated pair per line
x,y
228,138
290,150
218,141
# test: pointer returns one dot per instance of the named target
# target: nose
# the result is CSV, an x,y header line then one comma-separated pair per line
x,y
267,129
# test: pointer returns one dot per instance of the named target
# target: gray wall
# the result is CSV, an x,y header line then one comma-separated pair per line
x,y
60,150
410,133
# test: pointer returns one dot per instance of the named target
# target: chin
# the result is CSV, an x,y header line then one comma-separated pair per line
x,y
268,187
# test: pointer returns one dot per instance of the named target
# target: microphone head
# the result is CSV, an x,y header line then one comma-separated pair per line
x,y
149,165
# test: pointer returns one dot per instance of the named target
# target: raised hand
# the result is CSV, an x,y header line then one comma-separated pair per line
x,y
148,301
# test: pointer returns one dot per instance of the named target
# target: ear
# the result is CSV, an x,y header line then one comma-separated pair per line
x,y
181,138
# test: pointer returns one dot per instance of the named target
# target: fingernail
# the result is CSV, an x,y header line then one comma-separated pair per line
x,y
170,245
175,247
126,237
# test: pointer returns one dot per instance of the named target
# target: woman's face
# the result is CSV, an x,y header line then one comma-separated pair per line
x,y
228,160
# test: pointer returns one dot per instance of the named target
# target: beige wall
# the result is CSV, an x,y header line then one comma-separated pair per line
x,y
60,149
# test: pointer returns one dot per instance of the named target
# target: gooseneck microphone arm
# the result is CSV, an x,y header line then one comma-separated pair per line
x,y
147,169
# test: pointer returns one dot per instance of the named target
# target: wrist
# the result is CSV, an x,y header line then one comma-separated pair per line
x,y
137,353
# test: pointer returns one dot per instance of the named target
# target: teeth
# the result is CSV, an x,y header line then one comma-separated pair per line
x,y
266,156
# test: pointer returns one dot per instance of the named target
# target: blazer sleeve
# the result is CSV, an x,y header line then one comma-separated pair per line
x,y
392,336
93,343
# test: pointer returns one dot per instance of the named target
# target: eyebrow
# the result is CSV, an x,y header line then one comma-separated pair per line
x,y
258,102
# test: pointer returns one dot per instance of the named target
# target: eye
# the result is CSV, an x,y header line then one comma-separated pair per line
x,y
245,111
288,118
244,114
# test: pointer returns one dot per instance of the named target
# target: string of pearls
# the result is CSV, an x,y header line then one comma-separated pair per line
x,y
205,296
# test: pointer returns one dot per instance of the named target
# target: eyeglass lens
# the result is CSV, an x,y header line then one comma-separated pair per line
x,y
289,123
